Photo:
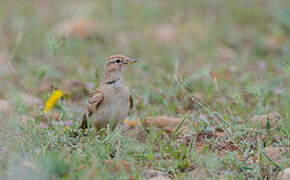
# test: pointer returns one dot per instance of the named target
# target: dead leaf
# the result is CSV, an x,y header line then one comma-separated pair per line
x,y
167,123
273,117
6,107
117,165
284,174
79,27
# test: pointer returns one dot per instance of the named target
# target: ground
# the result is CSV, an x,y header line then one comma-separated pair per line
x,y
211,88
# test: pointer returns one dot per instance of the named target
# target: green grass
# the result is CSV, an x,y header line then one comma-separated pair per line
x,y
235,55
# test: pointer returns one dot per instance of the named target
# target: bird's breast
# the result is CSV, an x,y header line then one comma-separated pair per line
x,y
115,106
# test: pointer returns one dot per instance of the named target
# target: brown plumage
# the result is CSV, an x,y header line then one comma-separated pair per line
x,y
111,102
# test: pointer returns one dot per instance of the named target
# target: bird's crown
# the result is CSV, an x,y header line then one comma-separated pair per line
x,y
116,57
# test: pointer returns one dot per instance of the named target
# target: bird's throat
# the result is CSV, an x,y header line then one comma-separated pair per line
x,y
112,77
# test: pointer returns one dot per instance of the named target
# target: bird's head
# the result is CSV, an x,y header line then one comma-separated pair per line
x,y
115,66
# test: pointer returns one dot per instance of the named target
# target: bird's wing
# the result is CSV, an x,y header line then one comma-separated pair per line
x,y
96,98
131,101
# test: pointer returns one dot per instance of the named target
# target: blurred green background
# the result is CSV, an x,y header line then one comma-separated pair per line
x,y
234,55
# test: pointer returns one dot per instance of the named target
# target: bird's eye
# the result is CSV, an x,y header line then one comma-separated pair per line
x,y
118,60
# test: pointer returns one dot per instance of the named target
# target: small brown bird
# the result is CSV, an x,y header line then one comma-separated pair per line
x,y
111,102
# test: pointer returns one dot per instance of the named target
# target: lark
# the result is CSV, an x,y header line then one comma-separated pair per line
x,y
110,103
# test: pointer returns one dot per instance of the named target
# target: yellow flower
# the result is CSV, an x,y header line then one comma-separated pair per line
x,y
66,128
53,99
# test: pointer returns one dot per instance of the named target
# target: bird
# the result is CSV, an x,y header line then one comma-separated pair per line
x,y
110,103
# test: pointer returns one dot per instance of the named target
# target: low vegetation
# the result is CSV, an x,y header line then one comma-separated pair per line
x,y
211,89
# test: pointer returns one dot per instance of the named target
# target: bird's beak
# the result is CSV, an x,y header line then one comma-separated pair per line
x,y
131,61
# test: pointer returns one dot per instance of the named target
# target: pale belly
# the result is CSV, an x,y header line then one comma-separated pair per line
x,y
113,110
